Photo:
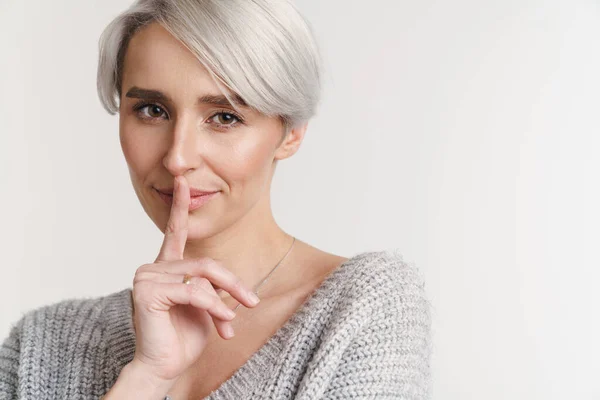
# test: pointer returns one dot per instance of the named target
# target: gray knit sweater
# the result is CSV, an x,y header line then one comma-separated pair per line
x,y
364,333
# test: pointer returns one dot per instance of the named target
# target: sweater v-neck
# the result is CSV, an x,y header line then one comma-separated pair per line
x,y
121,336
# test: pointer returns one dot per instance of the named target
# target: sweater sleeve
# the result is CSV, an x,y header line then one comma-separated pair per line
x,y
390,356
9,362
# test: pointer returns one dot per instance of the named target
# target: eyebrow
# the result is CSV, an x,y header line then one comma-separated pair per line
x,y
212,99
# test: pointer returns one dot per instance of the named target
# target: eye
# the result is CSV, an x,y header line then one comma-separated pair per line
x,y
154,111
226,119
151,111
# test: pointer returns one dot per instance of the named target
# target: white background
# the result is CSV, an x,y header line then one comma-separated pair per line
x,y
464,133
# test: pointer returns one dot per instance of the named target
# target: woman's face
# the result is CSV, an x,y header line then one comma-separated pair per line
x,y
166,130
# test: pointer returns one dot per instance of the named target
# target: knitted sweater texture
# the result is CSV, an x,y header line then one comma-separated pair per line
x,y
363,333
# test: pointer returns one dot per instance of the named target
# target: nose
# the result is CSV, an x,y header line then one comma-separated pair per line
x,y
183,153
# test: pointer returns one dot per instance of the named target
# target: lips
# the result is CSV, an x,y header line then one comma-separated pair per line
x,y
192,196
193,192
195,201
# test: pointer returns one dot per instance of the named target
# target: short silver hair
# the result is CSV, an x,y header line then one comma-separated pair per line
x,y
264,51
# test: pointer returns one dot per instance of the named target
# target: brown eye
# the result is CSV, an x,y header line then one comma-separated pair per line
x,y
225,118
154,111
149,111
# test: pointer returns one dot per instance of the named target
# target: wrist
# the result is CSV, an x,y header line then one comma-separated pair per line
x,y
136,380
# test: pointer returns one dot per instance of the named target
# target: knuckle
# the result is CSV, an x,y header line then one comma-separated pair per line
x,y
192,287
203,263
140,276
237,284
142,268
137,277
209,299
205,284
197,267
141,272
214,302
171,227
234,281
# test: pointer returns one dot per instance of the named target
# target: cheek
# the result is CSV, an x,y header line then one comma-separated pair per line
x,y
138,150
246,162
243,164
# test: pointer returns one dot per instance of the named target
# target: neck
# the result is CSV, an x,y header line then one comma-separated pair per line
x,y
249,248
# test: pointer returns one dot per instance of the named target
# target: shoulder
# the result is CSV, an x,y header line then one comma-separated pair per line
x,y
67,314
390,323
391,296
385,293
73,336
384,274
71,328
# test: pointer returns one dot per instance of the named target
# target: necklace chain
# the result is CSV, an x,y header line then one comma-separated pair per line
x,y
167,397
270,273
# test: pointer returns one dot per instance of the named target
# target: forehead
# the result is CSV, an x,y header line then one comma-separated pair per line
x,y
154,58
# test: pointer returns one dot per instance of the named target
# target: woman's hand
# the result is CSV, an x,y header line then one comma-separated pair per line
x,y
173,319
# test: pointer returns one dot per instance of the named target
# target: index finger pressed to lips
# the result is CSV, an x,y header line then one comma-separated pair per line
x,y
177,227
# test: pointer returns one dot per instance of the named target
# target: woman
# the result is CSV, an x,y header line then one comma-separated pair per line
x,y
211,95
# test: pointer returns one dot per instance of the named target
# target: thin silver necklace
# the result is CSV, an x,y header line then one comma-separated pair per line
x,y
167,397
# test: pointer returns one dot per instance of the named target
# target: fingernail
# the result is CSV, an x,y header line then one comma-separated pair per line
x,y
229,331
230,313
253,298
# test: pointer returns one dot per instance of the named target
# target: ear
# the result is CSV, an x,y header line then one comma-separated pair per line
x,y
291,143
